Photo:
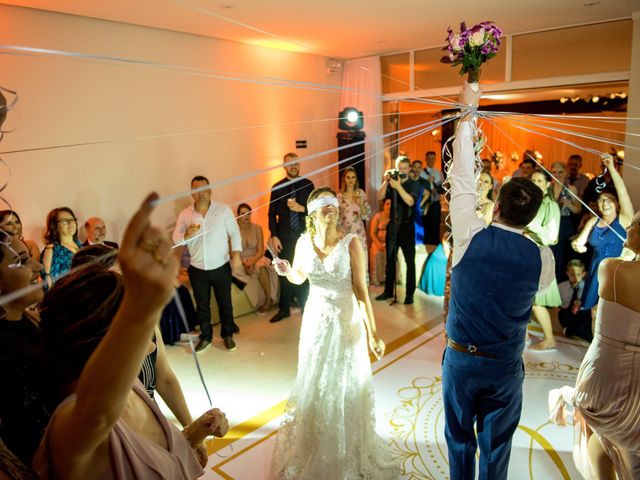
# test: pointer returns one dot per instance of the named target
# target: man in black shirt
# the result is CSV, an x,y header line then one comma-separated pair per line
x,y
287,214
403,193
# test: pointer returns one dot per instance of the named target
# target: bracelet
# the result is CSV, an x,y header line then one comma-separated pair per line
x,y
184,434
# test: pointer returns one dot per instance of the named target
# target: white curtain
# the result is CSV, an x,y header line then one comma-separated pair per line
x,y
362,89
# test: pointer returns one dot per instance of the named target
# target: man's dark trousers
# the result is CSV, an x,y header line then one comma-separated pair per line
x,y
202,281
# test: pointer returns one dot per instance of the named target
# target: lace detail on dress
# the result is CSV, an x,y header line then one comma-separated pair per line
x,y
328,430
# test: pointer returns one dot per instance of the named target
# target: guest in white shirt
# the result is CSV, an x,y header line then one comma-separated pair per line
x,y
208,229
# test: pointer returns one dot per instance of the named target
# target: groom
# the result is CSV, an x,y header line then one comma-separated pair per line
x,y
496,273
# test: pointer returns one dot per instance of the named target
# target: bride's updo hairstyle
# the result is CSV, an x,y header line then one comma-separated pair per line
x,y
310,220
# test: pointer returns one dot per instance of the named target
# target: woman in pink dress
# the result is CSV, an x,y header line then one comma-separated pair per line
x,y
378,255
354,208
97,325
607,393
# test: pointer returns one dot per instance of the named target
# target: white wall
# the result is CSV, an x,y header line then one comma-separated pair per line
x,y
70,101
632,157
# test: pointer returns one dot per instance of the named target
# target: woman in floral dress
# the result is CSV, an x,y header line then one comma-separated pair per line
x,y
354,208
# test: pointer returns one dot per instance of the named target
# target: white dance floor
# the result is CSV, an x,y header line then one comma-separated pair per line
x,y
252,390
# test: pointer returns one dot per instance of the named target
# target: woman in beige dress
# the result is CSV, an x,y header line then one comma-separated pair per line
x,y
607,391
256,272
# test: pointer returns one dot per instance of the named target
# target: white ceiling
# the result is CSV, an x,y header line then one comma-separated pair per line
x,y
339,28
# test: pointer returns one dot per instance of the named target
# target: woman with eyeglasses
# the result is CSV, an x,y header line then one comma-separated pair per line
x,y
606,233
62,243
10,222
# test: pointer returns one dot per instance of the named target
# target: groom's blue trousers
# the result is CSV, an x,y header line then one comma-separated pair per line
x,y
486,393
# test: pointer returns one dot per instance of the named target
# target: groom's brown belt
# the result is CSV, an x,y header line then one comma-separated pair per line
x,y
469,349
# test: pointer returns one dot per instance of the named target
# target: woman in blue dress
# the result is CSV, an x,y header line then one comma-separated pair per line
x,y
435,271
606,234
62,243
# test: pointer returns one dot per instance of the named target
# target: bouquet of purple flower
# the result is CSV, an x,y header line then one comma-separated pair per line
x,y
472,47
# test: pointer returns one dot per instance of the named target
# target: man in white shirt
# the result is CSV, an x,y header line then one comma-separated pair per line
x,y
208,228
496,273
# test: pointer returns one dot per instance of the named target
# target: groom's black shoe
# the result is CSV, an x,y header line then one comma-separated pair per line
x,y
384,296
279,316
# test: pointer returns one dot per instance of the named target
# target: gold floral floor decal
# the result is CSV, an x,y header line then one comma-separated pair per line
x,y
539,448
410,416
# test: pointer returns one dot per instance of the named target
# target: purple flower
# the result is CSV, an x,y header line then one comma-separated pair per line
x,y
472,46
450,35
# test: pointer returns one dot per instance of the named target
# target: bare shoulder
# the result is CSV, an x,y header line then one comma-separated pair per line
x,y
355,247
609,265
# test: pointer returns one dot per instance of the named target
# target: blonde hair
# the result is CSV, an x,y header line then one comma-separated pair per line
x,y
310,219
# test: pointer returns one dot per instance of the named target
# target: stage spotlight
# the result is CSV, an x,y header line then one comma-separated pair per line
x,y
350,119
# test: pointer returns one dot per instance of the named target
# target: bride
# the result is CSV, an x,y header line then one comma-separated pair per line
x,y
328,429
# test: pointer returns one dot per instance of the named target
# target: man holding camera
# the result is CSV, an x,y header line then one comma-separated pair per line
x,y
403,193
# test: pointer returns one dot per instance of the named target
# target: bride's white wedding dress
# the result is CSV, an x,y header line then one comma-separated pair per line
x,y
328,431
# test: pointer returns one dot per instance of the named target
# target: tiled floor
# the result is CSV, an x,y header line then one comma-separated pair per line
x,y
251,384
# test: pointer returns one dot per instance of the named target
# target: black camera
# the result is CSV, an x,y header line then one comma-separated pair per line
x,y
395,174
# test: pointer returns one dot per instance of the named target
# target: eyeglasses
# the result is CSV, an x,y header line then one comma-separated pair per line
x,y
67,221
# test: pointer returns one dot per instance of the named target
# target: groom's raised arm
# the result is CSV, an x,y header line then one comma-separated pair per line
x,y
464,220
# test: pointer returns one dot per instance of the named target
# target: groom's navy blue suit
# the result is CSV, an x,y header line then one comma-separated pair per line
x,y
495,276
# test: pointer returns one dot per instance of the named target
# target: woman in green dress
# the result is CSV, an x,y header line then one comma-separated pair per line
x,y
544,230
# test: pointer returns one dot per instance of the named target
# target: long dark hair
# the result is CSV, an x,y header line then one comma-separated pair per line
x,y
5,213
98,253
549,179
246,206
52,235
490,191
74,317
